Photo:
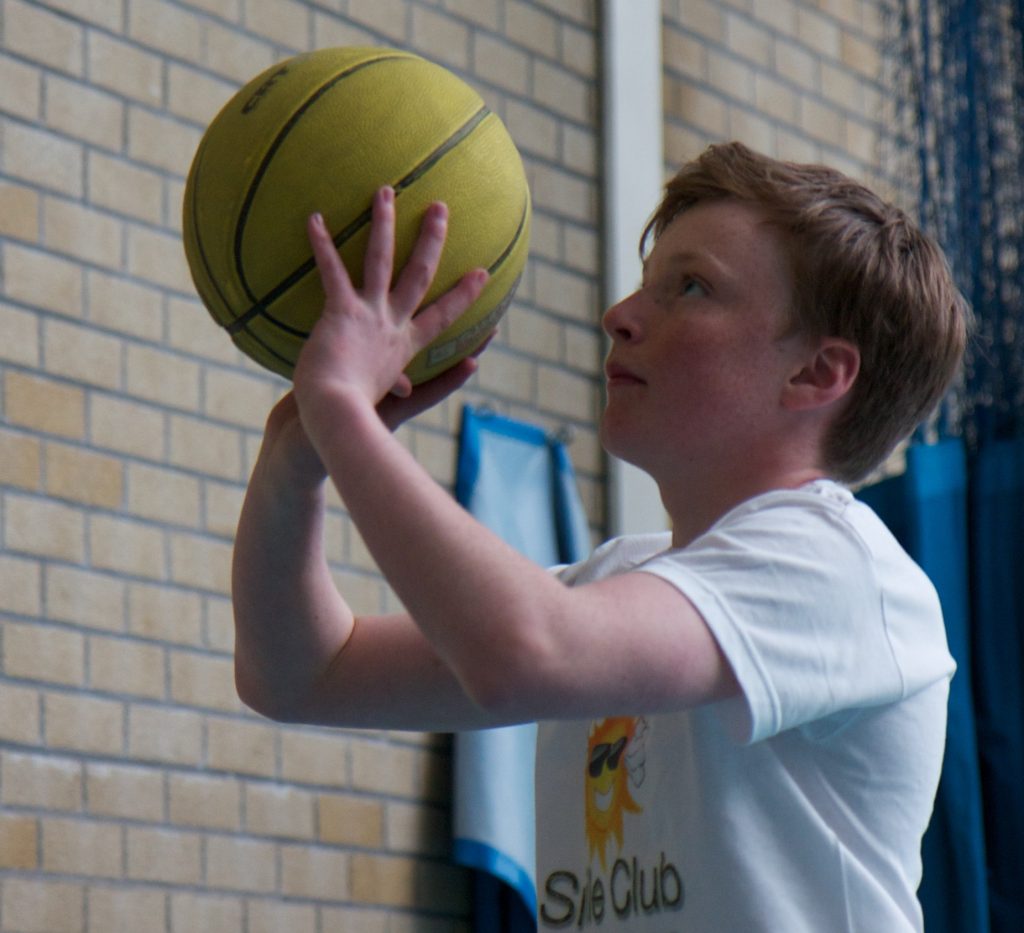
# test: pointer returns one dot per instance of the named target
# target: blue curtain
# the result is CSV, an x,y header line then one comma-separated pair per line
x,y
517,480
962,518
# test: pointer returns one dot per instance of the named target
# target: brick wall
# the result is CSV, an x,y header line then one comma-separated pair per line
x,y
136,793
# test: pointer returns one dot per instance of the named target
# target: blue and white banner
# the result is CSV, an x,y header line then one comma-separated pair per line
x,y
518,480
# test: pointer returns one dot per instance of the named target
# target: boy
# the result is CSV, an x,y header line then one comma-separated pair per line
x,y
742,722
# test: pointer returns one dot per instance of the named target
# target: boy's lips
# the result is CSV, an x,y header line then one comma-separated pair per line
x,y
617,374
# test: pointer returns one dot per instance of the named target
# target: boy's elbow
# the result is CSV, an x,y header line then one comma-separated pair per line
x,y
260,696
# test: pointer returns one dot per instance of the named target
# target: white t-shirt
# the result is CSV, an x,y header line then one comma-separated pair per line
x,y
796,808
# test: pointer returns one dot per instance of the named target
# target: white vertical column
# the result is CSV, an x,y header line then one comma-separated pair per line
x,y
633,178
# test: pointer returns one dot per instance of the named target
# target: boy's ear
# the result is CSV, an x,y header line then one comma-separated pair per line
x,y
826,377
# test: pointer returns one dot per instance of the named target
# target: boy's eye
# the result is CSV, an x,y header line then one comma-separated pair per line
x,y
692,286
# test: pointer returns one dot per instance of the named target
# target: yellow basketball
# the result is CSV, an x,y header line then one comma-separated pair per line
x,y
322,132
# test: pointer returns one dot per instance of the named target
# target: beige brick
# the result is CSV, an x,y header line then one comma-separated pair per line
x,y
161,141
128,427
775,99
500,64
194,912
245,747
82,847
19,839
238,398
582,249
568,393
752,129
441,38
42,280
196,96
191,330
579,50
124,910
284,22
206,448
124,792
126,546
168,735
84,113
21,339
118,665
732,76
563,92
684,54
82,354
22,460
205,801
315,874
861,140
117,185
236,55
697,106
164,856
36,652
162,377
344,819
101,12
315,757
562,193
46,782
529,26
125,68
241,864
48,529
388,17
580,150
396,770
224,9
272,916
201,563
19,715
508,376
157,258
43,37
19,585
223,506
116,303
798,65
43,158
202,680
482,12
820,122
33,905
383,880
279,810
574,296
819,32
436,453
22,84
83,476
19,213
164,613
842,87
749,40
534,333
83,723
163,495
166,27
533,130
220,624
414,829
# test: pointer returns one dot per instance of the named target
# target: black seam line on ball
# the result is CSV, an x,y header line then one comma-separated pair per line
x,y
260,306
282,135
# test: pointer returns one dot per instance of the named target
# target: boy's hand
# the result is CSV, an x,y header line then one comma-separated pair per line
x,y
366,337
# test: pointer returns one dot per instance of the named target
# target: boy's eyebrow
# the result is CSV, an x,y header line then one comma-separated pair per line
x,y
684,256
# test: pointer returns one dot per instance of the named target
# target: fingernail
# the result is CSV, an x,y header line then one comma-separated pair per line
x,y
318,219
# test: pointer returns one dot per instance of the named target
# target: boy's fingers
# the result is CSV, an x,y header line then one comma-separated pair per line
x,y
380,251
418,273
333,273
444,312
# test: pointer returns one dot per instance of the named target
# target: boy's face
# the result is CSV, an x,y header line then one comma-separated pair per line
x,y
698,357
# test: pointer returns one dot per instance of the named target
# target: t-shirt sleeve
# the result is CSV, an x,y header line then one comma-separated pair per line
x,y
795,600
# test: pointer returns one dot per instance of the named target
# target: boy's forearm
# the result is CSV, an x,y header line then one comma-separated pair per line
x,y
290,620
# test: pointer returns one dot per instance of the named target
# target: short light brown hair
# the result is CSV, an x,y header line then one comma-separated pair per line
x,y
862,271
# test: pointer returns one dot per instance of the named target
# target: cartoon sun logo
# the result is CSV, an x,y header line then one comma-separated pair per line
x,y
607,795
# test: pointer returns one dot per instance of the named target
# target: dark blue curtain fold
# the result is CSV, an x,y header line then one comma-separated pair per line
x,y
962,518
